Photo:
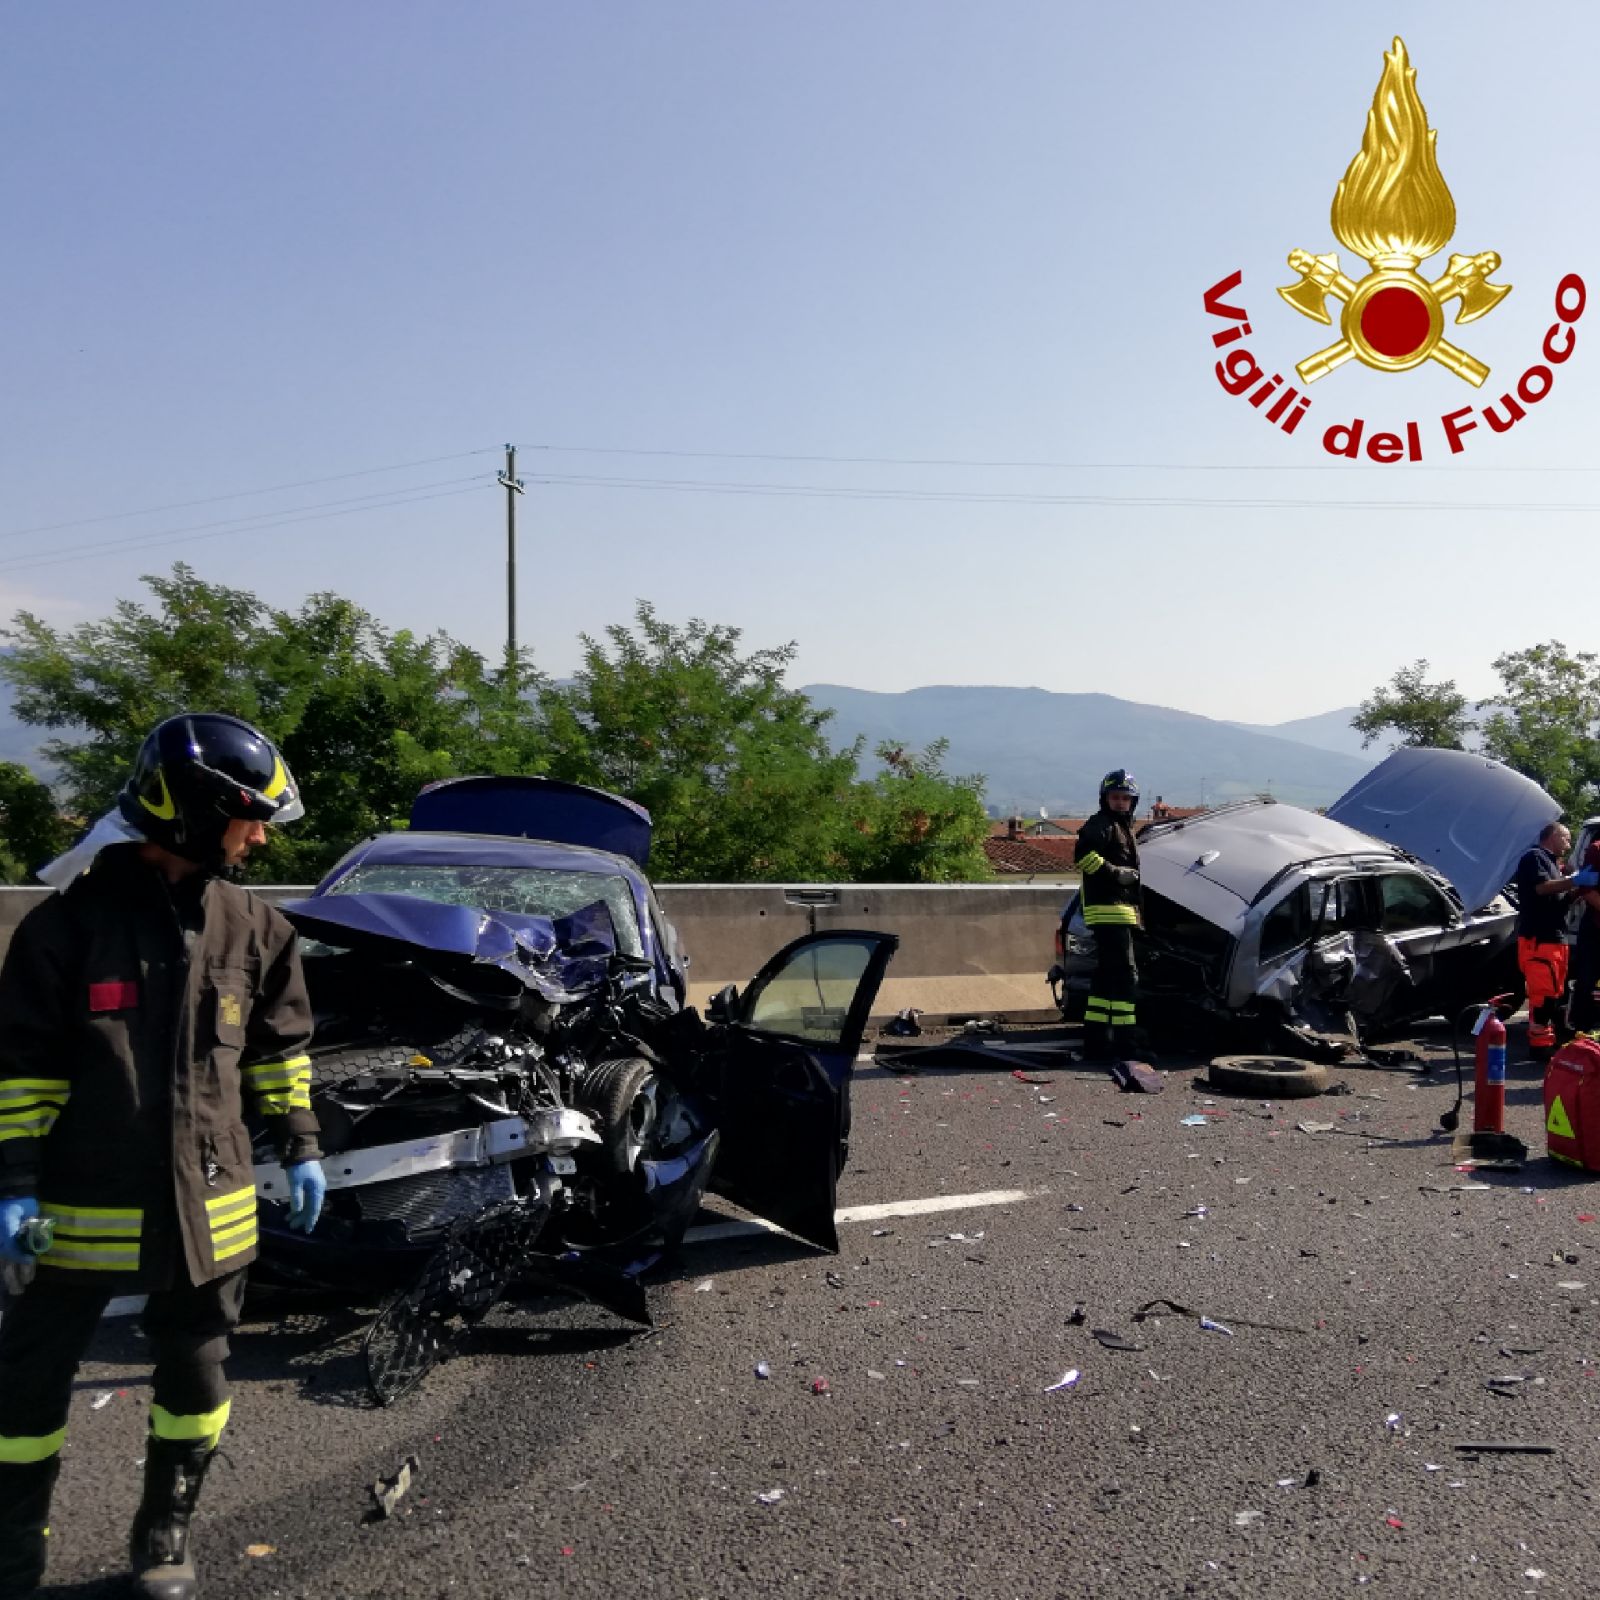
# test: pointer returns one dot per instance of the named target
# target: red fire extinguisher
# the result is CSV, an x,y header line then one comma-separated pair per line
x,y
1489,1078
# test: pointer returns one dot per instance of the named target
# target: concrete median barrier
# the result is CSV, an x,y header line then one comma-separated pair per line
x,y
965,949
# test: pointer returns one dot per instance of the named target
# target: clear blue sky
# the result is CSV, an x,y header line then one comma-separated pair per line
x,y
248,246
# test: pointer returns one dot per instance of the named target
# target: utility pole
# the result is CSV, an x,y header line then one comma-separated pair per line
x,y
513,487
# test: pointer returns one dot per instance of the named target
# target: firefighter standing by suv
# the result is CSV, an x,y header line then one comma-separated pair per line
x,y
1108,858
139,1007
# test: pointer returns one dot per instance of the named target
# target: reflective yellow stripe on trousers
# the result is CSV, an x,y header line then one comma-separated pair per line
x,y
204,1427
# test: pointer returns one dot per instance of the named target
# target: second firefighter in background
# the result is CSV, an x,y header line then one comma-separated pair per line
x,y
1108,858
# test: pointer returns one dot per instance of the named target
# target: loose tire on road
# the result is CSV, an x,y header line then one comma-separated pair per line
x,y
1270,1077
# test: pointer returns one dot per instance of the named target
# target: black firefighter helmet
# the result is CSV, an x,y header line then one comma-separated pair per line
x,y
1119,782
198,772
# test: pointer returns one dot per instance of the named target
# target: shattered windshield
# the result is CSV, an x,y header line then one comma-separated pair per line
x,y
525,891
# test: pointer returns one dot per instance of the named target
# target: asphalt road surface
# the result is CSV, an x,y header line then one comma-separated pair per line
x,y
1310,1451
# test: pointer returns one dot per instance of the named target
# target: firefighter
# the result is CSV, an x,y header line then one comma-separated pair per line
x,y
138,1007
1109,861
1542,892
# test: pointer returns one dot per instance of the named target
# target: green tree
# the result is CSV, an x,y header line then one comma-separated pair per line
x,y
912,823
32,829
1421,713
364,716
734,767
1544,722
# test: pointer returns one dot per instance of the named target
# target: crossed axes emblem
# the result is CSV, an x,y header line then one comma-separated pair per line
x,y
1390,334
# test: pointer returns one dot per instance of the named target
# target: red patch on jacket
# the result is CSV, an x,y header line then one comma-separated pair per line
x,y
113,996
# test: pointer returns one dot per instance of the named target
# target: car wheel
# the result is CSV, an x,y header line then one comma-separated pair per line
x,y
1271,1077
622,1096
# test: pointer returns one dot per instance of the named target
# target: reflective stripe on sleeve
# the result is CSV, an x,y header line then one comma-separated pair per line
x,y
281,1086
18,1092
1092,862
79,1255
31,1124
1112,915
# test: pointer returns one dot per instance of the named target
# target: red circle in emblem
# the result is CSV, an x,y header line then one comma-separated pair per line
x,y
1395,321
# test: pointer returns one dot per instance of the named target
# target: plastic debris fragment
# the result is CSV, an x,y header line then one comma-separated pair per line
x,y
1215,1327
1068,1380
705,1286
771,1497
1114,1341
1393,1421
1193,1120
1245,1519
387,1493
101,1400
819,1386
763,1370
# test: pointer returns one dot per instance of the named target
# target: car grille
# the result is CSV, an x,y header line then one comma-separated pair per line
x,y
433,1200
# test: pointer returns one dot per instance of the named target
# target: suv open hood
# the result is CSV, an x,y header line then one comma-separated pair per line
x,y
535,808
1467,816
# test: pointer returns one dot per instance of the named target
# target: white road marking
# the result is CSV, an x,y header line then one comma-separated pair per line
x,y
935,1203
747,1227
711,1232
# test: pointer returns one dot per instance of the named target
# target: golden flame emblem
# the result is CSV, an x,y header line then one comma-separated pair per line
x,y
1393,208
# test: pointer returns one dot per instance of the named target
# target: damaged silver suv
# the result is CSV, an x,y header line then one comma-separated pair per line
x,y
1312,930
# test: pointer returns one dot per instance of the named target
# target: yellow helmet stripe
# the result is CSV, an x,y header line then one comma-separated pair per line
x,y
280,779
167,809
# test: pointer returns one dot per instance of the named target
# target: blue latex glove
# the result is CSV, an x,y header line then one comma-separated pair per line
x,y
307,1186
14,1211
1589,878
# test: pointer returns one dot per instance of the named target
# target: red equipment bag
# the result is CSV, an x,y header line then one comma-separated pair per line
x,y
1572,1105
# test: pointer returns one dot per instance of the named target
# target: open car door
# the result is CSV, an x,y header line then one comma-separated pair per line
x,y
781,1073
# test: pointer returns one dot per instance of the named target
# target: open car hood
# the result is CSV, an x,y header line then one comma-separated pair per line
x,y
535,808
1217,863
559,958
1467,816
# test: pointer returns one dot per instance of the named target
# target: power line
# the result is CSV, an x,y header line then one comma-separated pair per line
x,y
1049,466
242,494
146,542
373,501
1004,497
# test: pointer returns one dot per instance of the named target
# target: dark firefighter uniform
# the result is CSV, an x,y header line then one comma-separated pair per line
x,y
135,1017
1108,858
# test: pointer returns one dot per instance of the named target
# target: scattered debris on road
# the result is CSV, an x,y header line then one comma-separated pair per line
x,y
1068,1380
1114,1341
771,1497
387,1493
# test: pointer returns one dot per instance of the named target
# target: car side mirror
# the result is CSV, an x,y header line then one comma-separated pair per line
x,y
723,1006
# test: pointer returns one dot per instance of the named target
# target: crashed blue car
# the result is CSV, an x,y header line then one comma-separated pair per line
x,y
502,1033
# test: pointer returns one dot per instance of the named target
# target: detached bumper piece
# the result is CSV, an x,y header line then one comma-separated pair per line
x,y
480,1261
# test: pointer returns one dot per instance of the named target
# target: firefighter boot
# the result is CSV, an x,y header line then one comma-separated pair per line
x,y
25,1488
159,1552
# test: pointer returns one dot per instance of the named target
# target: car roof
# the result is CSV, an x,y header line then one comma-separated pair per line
x,y
1217,863
420,848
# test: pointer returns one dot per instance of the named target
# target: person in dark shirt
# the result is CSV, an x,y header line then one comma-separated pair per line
x,y
1543,889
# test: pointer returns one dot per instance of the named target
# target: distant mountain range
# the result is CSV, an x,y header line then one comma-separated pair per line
x,y
1038,749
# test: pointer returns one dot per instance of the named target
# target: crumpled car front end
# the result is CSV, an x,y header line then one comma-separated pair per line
x,y
1298,930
